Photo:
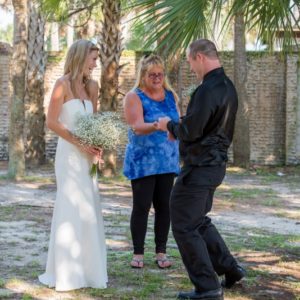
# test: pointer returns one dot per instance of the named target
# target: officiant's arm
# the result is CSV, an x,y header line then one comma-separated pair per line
x,y
133,111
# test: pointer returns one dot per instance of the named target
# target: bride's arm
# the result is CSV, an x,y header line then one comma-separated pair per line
x,y
54,109
93,91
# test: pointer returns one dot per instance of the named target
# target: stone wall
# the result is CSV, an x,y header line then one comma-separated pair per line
x,y
273,91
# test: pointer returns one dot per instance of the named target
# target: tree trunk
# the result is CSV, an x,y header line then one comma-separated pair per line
x,y
16,165
241,140
173,64
34,98
110,53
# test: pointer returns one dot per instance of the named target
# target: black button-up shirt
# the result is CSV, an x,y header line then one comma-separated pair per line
x,y
206,131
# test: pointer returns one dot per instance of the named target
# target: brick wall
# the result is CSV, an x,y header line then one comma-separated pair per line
x,y
274,101
266,98
5,92
292,146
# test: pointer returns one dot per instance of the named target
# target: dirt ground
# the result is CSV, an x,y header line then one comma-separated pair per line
x,y
258,213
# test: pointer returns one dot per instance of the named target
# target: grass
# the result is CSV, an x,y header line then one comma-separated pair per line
x,y
26,297
260,240
24,213
261,196
2,283
119,179
268,257
286,214
30,179
152,283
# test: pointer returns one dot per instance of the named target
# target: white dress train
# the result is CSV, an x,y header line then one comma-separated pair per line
x,y
77,250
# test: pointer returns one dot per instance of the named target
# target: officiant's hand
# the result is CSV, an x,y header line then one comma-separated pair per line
x,y
162,123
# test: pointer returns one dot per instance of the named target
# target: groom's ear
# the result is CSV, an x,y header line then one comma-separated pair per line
x,y
200,57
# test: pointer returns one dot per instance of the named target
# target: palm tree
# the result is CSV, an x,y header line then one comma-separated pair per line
x,y
268,19
34,98
110,52
110,44
195,19
16,165
241,139
110,39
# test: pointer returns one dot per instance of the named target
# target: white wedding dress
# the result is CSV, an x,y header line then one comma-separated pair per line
x,y
77,250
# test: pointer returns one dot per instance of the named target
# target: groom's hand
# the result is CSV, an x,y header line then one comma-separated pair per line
x,y
162,123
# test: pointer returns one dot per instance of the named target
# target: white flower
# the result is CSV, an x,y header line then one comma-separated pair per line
x,y
104,129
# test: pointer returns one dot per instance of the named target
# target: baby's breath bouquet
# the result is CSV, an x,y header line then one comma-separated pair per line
x,y
105,130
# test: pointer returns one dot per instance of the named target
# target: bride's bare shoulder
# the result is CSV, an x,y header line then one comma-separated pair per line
x,y
92,86
63,83
63,80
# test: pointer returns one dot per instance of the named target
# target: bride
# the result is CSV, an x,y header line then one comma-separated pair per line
x,y
77,251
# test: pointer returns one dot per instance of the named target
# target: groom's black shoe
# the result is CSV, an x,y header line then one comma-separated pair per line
x,y
235,275
208,295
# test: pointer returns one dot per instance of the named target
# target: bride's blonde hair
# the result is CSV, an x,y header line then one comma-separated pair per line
x,y
75,60
145,63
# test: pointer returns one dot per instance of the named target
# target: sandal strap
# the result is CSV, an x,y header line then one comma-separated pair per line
x,y
138,260
162,260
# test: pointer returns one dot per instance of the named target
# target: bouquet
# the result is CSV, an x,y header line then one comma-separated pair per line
x,y
105,130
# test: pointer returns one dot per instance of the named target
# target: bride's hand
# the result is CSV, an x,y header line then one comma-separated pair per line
x,y
84,147
89,149
98,158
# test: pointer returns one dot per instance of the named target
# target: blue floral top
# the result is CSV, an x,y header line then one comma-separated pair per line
x,y
152,153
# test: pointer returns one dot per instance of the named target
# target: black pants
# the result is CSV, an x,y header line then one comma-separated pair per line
x,y
203,251
154,189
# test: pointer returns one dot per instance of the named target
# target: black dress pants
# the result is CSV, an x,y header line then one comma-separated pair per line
x,y
154,189
203,251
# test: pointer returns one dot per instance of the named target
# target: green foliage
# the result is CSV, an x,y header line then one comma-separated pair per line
x,y
175,23
6,34
136,41
269,18
61,10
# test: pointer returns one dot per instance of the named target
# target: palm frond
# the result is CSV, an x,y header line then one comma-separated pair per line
x,y
173,23
275,21
61,10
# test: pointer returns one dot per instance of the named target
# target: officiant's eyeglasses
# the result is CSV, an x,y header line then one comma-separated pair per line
x,y
156,75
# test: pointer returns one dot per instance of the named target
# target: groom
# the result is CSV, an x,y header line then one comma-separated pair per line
x,y
205,134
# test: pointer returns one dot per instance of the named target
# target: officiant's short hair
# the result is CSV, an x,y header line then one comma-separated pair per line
x,y
203,46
